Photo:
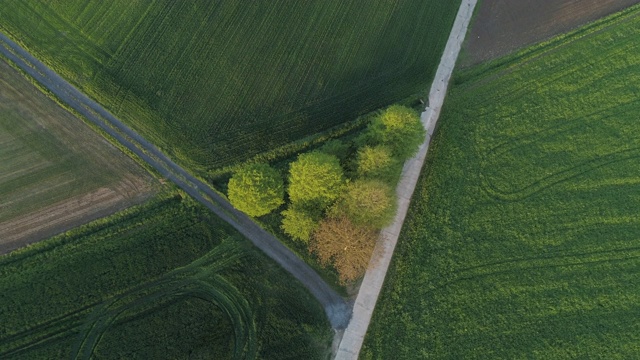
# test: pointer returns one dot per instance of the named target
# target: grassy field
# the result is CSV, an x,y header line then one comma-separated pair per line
x,y
165,280
213,83
55,172
523,240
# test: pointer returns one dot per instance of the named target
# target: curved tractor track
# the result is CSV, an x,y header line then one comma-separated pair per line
x,y
337,310
201,280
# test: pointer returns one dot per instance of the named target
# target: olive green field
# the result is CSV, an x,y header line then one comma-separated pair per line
x,y
55,172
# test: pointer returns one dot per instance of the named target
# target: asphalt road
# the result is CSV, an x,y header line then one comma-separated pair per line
x,y
337,310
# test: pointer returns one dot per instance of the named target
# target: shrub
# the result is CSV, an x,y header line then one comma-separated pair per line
x,y
336,148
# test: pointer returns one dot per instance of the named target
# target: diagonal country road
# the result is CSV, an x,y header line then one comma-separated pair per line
x,y
337,310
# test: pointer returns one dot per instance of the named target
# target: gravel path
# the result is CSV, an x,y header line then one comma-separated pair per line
x,y
337,310
353,337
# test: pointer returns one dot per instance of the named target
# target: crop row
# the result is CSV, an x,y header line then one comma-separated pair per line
x,y
522,239
118,285
218,82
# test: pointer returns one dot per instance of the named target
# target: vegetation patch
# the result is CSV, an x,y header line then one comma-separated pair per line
x,y
127,286
214,83
342,193
522,239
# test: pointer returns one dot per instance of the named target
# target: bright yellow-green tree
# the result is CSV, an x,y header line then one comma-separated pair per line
x,y
256,189
369,203
399,128
299,223
315,179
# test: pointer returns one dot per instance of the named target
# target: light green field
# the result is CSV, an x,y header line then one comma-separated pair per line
x,y
214,82
523,238
165,280
49,159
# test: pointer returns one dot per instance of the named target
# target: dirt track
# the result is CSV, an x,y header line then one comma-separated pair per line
x,y
502,26
337,310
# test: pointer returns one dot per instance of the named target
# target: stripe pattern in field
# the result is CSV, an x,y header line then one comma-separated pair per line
x,y
55,172
167,279
523,239
213,82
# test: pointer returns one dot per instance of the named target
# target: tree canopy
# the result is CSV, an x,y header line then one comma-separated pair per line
x,y
377,162
368,203
316,178
299,223
398,127
256,189
346,246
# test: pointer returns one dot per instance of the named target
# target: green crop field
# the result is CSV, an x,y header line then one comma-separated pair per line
x,y
214,82
165,280
523,238
54,170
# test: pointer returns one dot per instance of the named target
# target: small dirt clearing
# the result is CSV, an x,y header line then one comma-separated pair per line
x,y
55,172
502,26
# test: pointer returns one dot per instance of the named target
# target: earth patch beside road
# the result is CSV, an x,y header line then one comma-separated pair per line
x,y
503,26
55,172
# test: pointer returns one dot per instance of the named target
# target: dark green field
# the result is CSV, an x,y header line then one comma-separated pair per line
x,y
214,82
523,238
166,280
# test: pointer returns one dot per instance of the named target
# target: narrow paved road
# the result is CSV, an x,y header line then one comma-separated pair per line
x,y
337,310
351,342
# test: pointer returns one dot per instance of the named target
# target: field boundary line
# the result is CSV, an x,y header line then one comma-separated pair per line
x,y
338,311
353,337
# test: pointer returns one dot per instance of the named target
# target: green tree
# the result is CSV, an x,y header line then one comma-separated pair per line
x,y
398,127
315,178
299,223
377,162
337,148
256,189
369,203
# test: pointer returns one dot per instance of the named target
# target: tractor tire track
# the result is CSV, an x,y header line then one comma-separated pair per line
x,y
336,309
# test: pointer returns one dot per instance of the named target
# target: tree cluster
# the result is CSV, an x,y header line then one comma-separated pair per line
x,y
340,195
343,194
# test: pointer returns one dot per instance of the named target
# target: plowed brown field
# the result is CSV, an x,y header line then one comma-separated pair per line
x,y
502,26
55,172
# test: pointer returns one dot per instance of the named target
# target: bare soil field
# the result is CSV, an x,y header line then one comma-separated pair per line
x,y
502,26
55,172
